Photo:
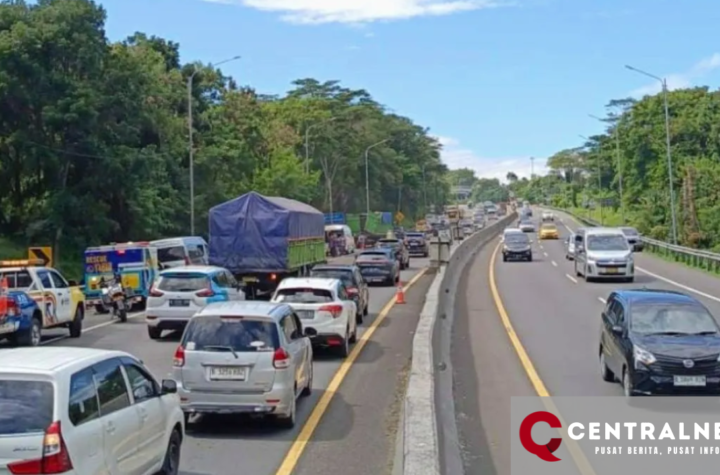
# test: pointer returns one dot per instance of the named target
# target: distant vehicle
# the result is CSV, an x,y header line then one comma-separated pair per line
x,y
417,244
516,246
245,357
79,411
324,305
548,216
603,253
570,247
181,251
659,342
401,252
379,265
181,292
355,284
549,231
633,237
343,233
527,226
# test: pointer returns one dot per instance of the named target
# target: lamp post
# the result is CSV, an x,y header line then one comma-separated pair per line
x,y
307,140
619,165
599,172
663,82
190,139
367,174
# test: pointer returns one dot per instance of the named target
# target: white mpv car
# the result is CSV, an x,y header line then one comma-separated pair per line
x,y
324,305
82,411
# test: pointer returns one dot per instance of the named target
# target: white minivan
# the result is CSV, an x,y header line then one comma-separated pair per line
x,y
181,251
603,253
343,232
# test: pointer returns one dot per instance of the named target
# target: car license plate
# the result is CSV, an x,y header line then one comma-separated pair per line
x,y
250,279
7,327
228,373
612,270
179,303
305,314
690,381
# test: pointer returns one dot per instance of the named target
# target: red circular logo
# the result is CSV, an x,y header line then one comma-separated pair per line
x,y
544,452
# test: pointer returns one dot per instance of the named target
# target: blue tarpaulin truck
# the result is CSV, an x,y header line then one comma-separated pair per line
x,y
262,240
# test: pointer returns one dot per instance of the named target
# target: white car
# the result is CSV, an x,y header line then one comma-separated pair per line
x,y
325,306
83,411
179,293
527,226
548,216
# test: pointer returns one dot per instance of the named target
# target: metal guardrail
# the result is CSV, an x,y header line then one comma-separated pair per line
x,y
699,258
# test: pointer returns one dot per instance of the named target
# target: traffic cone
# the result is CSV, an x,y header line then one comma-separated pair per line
x,y
400,295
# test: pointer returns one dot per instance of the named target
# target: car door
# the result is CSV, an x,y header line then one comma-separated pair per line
x,y
614,354
64,310
151,412
49,299
293,343
120,421
580,255
87,443
362,288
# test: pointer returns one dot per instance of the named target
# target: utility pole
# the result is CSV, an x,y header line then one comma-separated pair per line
x,y
618,154
367,174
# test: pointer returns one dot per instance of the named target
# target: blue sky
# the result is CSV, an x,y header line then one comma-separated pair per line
x,y
497,82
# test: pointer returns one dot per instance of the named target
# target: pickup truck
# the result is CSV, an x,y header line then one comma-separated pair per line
x,y
34,298
263,240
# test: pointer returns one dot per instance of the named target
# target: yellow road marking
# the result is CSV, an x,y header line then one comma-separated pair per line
x,y
300,443
575,451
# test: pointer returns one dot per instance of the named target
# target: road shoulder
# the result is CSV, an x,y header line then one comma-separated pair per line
x,y
357,434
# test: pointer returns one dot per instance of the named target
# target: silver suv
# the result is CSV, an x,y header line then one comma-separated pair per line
x,y
244,357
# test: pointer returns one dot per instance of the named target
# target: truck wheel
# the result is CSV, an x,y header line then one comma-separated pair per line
x,y
77,323
154,333
32,336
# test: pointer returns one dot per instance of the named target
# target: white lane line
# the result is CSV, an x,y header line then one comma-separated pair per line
x,y
572,279
94,327
602,300
545,254
554,263
541,246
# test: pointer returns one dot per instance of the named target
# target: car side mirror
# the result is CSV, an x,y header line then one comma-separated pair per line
x,y
310,332
617,329
169,386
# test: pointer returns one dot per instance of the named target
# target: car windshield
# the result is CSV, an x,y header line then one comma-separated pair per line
x,y
346,276
237,333
183,282
303,295
607,242
630,231
26,407
671,319
171,254
517,238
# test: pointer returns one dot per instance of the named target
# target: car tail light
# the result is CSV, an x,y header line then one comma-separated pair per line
x,y
179,358
335,310
281,359
155,292
205,293
352,290
9,307
55,456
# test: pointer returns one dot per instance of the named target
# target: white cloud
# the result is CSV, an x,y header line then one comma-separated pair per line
x,y
361,11
455,156
681,80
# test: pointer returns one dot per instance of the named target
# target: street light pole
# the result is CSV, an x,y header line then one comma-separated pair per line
x,y
619,165
190,140
367,175
424,191
663,82
307,141
532,168
599,172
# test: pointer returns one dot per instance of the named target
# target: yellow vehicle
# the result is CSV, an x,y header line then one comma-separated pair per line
x,y
549,231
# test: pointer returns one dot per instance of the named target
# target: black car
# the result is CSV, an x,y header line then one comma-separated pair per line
x,y
659,342
417,244
516,246
633,238
354,284
379,265
398,246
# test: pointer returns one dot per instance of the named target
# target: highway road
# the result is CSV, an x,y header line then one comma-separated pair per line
x,y
552,347
356,430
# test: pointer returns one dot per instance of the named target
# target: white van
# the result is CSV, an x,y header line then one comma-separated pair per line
x,y
181,251
343,232
603,253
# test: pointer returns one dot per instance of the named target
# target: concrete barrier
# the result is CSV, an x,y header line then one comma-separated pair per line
x,y
428,440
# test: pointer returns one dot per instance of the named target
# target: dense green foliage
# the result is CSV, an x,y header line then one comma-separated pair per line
x,y
94,137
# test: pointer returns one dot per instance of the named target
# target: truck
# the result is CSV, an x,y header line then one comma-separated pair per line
x,y
502,209
452,213
262,240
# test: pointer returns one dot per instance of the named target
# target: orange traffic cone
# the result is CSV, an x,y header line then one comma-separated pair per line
x,y
400,295
3,297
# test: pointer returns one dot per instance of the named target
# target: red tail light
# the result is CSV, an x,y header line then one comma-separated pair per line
x,y
179,358
9,307
352,290
155,292
334,309
281,359
55,457
205,293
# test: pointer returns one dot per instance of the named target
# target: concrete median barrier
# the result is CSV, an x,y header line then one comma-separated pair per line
x,y
428,440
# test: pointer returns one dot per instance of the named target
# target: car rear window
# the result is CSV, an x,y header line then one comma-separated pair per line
x,y
25,406
346,276
304,295
17,279
171,254
373,256
229,332
183,282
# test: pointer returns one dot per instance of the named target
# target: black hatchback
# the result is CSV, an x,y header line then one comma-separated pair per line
x,y
659,342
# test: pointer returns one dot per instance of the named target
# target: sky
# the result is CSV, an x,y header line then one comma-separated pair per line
x,y
497,81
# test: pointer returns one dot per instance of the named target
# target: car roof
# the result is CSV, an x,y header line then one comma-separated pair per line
x,y
349,267
309,282
51,359
603,231
634,296
512,230
193,270
242,308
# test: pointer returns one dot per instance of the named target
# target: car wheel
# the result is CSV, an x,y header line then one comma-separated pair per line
x,y
76,324
344,349
288,421
32,336
307,390
605,373
628,388
154,333
171,464
530,258
365,310
359,317
504,258
630,280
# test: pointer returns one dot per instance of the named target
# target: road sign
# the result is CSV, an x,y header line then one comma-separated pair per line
x,y
42,253
399,217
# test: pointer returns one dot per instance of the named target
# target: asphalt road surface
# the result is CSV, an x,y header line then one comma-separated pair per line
x,y
229,446
556,317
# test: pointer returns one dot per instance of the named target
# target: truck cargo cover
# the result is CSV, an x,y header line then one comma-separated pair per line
x,y
251,232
